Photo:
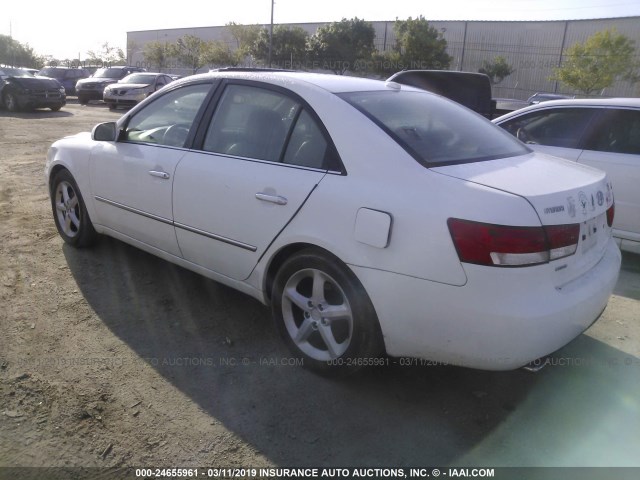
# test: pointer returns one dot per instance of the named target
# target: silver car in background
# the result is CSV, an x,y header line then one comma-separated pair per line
x,y
601,133
134,88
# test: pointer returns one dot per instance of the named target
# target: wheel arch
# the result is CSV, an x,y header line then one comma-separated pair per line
x,y
54,171
284,253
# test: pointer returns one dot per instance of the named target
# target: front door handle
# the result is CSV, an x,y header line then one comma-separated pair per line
x,y
163,175
277,199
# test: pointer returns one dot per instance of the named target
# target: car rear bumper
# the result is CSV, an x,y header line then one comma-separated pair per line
x,y
500,320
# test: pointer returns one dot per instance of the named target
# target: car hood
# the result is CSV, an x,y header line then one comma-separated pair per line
x,y
104,80
559,190
129,86
36,82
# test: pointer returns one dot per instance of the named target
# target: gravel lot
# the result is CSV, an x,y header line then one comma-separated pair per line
x,y
112,357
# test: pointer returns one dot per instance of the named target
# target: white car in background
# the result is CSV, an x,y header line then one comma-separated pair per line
x,y
602,133
371,216
134,88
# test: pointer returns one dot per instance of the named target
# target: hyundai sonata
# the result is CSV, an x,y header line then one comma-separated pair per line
x,y
372,217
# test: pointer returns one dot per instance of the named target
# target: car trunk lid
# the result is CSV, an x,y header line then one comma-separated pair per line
x,y
561,193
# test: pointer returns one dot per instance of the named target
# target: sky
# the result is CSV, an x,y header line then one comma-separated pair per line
x,y
70,28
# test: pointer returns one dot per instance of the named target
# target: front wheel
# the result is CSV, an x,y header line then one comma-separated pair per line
x,y
70,212
11,102
324,314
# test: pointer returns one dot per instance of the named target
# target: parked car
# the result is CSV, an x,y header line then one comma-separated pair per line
x,y
20,90
134,88
68,77
92,88
601,133
473,90
545,97
371,216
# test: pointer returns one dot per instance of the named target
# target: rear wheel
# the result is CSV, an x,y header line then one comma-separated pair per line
x,y
56,108
83,100
324,314
70,212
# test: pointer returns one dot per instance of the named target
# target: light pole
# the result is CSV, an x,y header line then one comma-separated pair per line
x,y
271,33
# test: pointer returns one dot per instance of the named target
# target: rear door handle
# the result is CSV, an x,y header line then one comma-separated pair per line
x,y
163,175
277,199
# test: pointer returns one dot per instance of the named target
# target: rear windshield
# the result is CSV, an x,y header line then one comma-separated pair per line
x,y
434,130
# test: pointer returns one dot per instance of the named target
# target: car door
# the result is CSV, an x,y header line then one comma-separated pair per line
x,y
260,159
132,178
613,145
555,131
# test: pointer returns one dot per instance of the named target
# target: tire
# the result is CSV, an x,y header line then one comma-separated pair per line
x,y
11,102
70,212
56,108
307,287
83,100
112,106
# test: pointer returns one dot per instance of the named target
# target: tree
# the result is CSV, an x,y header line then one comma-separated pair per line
x,y
158,54
288,46
218,53
15,53
245,37
339,46
595,64
107,55
497,70
418,46
190,52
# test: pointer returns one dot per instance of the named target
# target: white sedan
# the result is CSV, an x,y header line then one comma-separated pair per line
x,y
371,216
601,133
134,88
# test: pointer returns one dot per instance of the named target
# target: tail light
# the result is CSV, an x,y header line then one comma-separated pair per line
x,y
507,246
611,211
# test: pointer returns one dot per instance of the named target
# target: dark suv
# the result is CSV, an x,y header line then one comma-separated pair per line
x,y
21,90
68,77
92,88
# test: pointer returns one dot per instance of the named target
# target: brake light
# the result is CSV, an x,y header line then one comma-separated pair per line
x,y
507,246
611,212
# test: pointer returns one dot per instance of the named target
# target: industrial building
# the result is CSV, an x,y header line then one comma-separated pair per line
x,y
532,48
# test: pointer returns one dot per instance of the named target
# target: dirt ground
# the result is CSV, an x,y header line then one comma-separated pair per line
x,y
110,357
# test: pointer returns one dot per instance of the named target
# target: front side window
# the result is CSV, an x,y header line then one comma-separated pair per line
x,y
434,130
557,127
617,131
169,119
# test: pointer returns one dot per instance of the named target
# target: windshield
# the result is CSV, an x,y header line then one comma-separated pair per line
x,y
144,78
14,72
109,73
52,72
434,130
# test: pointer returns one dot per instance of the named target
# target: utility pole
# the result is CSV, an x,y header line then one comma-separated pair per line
x,y
271,33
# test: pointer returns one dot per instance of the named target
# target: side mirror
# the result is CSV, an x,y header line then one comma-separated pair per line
x,y
104,132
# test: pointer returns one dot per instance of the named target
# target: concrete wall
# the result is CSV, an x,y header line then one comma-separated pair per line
x,y
534,49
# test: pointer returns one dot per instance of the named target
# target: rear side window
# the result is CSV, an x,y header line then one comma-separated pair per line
x,y
556,127
616,131
436,131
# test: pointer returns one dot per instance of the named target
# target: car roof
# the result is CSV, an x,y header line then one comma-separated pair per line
x,y
574,102
328,82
